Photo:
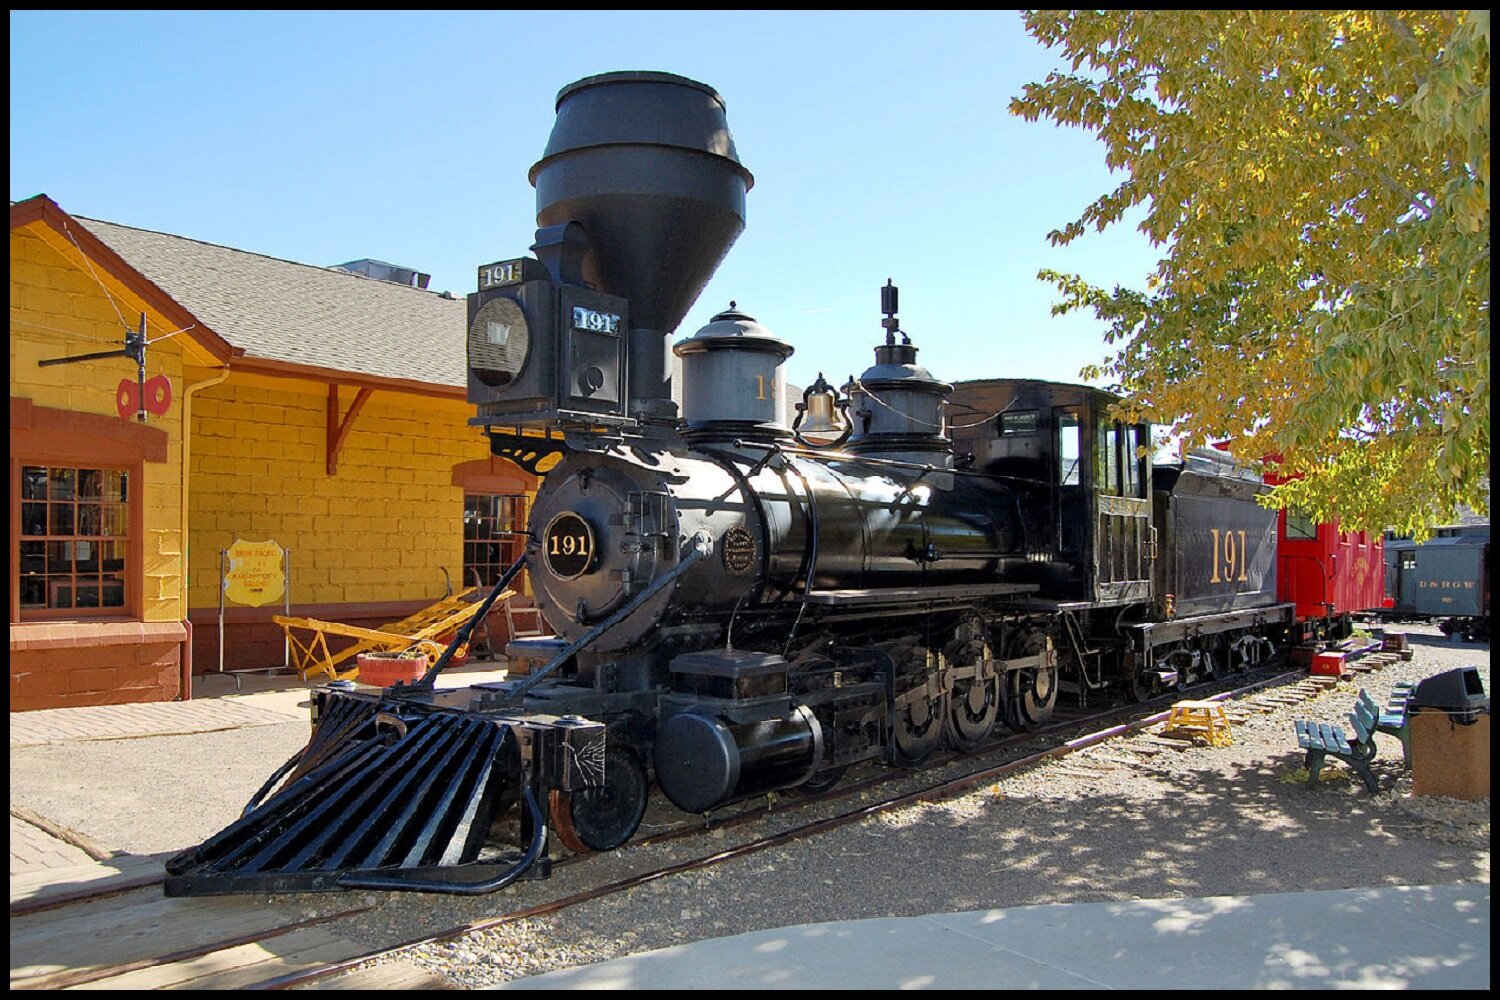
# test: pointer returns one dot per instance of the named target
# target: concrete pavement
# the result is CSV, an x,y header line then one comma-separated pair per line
x,y
1395,937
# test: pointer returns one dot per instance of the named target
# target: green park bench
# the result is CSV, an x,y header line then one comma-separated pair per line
x,y
1393,719
1322,740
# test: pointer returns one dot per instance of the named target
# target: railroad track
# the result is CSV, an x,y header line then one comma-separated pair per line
x,y
135,938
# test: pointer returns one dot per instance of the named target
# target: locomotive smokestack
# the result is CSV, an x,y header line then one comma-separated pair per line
x,y
645,163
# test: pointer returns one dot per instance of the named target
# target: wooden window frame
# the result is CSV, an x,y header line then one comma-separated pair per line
x,y
509,548
130,539
51,437
494,477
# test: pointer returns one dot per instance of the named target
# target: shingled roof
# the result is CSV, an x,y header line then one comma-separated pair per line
x,y
301,314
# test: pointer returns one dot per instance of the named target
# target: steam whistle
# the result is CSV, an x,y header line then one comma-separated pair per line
x,y
888,299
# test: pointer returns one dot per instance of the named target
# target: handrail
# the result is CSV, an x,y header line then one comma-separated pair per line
x,y
702,548
461,637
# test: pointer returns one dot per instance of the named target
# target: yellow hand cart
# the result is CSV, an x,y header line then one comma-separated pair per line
x,y
308,637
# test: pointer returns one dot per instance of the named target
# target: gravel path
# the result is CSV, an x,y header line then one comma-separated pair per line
x,y
1181,822
1129,819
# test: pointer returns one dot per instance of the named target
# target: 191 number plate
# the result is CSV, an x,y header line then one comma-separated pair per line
x,y
568,546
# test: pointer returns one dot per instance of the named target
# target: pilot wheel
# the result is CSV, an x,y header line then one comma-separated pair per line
x,y
604,818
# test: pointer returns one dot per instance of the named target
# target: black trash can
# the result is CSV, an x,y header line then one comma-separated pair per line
x,y
1449,715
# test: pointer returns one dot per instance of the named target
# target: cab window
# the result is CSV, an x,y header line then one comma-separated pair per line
x,y
1068,451
1300,526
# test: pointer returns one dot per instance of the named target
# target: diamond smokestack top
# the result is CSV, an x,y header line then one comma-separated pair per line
x,y
645,163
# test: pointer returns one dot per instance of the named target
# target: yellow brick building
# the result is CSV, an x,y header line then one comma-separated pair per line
x,y
315,407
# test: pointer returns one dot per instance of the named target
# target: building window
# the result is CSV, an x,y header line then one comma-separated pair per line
x,y
494,536
74,540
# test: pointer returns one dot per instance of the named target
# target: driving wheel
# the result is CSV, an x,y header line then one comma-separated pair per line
x,y
973,704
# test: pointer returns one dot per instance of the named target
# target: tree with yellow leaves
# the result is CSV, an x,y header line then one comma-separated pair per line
x,y
1319,182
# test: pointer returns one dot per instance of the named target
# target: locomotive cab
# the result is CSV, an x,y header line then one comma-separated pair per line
x,y
1088,530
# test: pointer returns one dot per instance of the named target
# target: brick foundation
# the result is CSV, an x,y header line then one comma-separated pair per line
x,y
69,664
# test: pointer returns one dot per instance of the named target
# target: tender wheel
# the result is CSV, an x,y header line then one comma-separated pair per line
x,y
1182,660
1143,685
1220,661
1139,685
1245,653
603,818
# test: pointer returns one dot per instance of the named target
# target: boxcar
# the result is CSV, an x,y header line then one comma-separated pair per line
x,y
1445,578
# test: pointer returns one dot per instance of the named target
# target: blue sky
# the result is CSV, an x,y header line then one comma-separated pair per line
x,y
880,142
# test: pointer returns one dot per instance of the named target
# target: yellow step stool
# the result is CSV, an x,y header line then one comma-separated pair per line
x,y
1200,717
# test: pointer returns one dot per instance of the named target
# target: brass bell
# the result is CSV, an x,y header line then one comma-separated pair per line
x,y
819,423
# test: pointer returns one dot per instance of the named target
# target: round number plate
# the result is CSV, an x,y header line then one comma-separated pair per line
x,y
568,546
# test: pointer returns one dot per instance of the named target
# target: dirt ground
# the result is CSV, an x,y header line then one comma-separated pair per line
x,y
1101,826
1130,819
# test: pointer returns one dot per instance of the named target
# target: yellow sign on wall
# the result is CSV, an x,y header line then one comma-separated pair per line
x,y
255,575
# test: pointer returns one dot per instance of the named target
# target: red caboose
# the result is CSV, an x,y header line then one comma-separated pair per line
x,y
1327,573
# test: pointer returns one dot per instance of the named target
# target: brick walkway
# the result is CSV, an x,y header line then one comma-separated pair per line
x,y
32,848
113,722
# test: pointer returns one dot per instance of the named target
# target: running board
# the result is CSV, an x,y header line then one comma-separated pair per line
x,y
394,794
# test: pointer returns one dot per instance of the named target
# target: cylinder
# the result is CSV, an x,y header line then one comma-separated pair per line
x,y
703,762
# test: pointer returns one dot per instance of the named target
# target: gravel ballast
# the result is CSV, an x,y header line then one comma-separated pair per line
x,y
1130,819
1133,818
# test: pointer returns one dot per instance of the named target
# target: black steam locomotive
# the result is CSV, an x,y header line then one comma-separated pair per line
x,y
744,603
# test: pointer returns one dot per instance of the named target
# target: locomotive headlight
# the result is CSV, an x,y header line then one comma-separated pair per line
x,y
499,341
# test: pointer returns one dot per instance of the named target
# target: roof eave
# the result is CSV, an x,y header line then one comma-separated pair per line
x,y
42,209
277,368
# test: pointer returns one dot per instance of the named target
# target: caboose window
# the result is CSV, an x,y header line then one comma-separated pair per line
x,y
1109,481
1130,461
1300,526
